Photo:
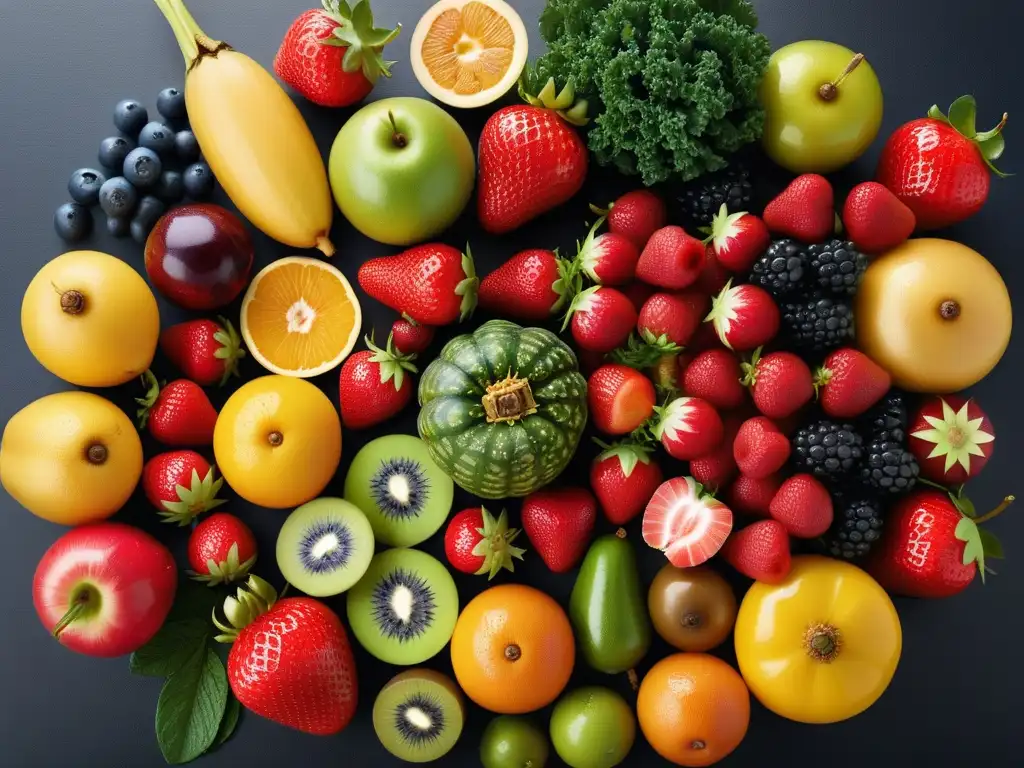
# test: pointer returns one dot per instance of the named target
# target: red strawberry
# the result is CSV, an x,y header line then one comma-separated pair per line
x,y
620,398
221,549
609,258
932,545
753,497
411,338
804,506
672,317
940,166
738,239
685,523
432,284
558,522
760,449
875,219
181,485
624,478
602,318
671,259
760,551
713,275
373,385
205,351
531,160
714,375
715,470
533,285
638,292
850,382
780,383
688,428
476,543
178,414
804,211
744,316
333,56
290,661
636,215
952,439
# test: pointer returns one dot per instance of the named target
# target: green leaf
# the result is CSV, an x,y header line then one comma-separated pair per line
x,y
962,115
992,147
228,722
937,114
740,10
965,505
171,648
191,707
990,544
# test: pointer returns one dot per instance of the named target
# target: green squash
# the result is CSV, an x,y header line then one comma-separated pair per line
x,y
503,409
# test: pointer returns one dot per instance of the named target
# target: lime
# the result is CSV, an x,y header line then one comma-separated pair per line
x,y
592,728
513,742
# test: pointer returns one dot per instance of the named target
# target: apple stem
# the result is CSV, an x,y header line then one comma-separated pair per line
x,y
949,309
829,91
72,614
72,302
1002,506
397,137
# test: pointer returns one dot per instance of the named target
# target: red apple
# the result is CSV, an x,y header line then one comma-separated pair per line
x,y
199,256
104,589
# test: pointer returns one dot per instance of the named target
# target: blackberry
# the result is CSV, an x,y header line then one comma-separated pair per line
x,y
731,187
827,449
889,468
837,266
783,268
887,420
858,525
819,324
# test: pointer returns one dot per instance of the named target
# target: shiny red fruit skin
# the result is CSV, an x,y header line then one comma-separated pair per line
x,y
919,554
606,323
411,339
558,522
783,385
637,215
605,390
760,551
294,665
714,375
134,574
623,498
182,415
163,473
192,348
935,171
677,316
934,469
213,538
672,259
199,256
419,282
363,398
751,496
523,287
460,537
530,162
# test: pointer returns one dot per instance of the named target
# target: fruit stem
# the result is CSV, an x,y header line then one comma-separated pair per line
x,y
634,679
513,652
822,642
186,40
73,613
397,137
829,91
949,309
96,453
207,43
998,510
72,302
325,246
275,438
621,533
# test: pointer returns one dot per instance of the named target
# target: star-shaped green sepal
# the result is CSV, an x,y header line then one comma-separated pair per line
x,y
199,497
495,546
468,286
363,41
226,571
254,598
393,364
628,453
231,349
955,436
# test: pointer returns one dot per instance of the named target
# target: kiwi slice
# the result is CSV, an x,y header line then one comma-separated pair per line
x,y
325,546
405,495
404,609
418,715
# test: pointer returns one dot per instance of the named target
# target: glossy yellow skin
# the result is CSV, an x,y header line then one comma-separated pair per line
x,y
44,458
260,149
770,641
899,324
803,132
296,415
114,336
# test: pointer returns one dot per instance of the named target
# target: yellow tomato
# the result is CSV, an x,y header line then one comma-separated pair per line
x,y
90,319
820,647
70,458
278,441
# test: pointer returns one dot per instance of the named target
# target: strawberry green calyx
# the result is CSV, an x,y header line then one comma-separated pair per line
x,y
962,116
644,351
627,452
468,286
231,349
562,102
749,369
495,546
148,400
363,41
200,497
568,284
254,598
393,364
723,226
226,571
979,543
723,312
581,303
955,436
586,259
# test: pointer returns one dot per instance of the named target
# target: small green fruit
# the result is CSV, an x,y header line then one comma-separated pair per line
x,y
513,742
592,728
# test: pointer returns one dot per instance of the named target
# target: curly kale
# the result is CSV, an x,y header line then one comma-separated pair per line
x,y
672,84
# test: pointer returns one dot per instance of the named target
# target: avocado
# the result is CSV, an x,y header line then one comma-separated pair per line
x,y
607,607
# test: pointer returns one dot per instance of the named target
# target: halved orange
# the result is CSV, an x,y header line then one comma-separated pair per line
x,y
300,317
468,53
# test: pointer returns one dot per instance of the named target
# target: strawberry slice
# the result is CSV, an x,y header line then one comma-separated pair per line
x,y
685,523
620,399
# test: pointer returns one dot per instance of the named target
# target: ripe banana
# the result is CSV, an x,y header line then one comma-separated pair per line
x,y
253,137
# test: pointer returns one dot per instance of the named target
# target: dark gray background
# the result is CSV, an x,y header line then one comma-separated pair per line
x,y
62,68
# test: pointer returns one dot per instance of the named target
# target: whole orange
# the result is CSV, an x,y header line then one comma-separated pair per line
x,y
513,649
693,708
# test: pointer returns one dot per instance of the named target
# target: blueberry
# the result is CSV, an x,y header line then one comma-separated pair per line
x,y
84,186
198,181
149,211
186,145
170,188
72,222
142,168
118,197
118,227
114,150
170,103
158,137
130,116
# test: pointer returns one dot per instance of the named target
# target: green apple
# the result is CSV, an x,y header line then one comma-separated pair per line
x,y
402,170
823,106
592,728
513,742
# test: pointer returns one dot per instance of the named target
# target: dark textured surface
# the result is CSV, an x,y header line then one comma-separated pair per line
x,y
63,66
